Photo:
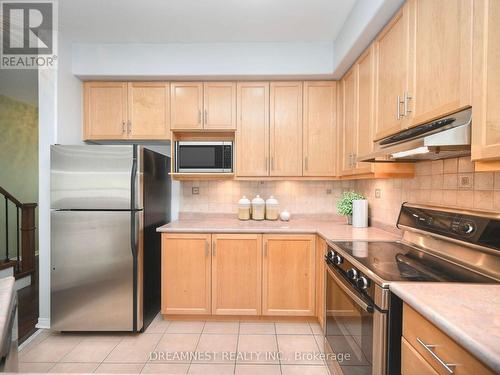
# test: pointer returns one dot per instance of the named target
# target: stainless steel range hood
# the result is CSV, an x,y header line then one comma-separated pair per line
x,y
444,138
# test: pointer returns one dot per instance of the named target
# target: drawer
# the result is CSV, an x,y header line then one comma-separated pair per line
x,y
418,332
412,362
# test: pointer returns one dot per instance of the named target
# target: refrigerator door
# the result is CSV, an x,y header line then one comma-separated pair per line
x,y
93,177
92,286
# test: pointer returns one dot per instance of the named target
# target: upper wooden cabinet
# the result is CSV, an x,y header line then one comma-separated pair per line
x,y
219,103
319,128
441,56
252,136
288,281
186,100
236,274
186,273
486,111
286,128
149,110
392,48
119,110
349,120
105,110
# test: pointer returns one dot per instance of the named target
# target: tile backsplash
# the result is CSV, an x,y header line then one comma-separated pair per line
x,y
450,182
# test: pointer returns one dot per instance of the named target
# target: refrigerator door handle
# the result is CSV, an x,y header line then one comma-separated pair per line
x,y
133,236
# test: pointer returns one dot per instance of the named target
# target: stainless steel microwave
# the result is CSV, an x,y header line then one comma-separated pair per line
x,y
204,156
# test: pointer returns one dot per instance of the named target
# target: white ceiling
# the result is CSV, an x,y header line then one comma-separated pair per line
x,y
202,21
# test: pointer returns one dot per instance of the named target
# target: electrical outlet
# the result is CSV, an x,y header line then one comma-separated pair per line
x,y
378,193
328,191
465,181
195,190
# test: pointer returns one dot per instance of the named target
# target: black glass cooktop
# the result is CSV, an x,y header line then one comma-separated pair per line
x,y
395,261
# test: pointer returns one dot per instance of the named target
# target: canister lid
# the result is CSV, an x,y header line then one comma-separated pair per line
x,y
272,201
244,201
258,200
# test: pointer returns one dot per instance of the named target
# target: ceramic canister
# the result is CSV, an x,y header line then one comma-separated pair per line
x,y
258,208
272,208
244,206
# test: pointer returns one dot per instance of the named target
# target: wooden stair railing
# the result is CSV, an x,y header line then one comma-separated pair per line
x,y
25,232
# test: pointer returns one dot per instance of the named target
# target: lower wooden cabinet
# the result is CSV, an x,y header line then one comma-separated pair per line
x,y
236,274
288,280
186,273
321,248
412,362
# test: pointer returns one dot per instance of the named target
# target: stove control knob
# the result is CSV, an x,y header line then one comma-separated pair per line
x,y
352,273
330,254
466,228
337,259
362,283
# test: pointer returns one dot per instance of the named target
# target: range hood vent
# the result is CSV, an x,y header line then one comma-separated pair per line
x,y
445,138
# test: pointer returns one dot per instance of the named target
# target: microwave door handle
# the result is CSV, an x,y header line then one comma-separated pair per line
x,y
368,308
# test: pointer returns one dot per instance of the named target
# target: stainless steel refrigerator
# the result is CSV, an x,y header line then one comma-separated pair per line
x,y
106,203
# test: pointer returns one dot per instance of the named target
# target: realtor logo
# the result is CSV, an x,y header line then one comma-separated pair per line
x,y
28,34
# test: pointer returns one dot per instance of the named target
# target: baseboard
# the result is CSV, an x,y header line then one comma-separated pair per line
x,y
29,339
43,323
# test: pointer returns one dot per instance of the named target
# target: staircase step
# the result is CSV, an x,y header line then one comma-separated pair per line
x,y
7,264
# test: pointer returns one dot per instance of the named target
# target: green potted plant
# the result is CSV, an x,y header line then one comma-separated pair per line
x,y
344,205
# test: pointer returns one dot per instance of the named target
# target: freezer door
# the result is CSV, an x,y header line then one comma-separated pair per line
x,y
92,177
92,271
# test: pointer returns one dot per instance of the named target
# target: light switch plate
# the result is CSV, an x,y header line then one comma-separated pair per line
x,y
378,193
195,190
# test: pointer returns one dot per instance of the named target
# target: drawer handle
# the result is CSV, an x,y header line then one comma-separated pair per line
x,y
430,349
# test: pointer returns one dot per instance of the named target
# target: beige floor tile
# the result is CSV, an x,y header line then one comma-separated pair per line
x,y
293,329
257,370
257,349
257,329
158,325
119,368
303,370
306,346
316,328
223,347
221,327
185,327
40,336
134,349
320,341
211,369
176,347
108,337
40,367
90,351
52,349
74,368
165,368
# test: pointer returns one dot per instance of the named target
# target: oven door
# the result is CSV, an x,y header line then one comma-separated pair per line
x,y
203,157
355,329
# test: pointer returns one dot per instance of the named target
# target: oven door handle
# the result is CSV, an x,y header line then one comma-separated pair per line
x,y
365,306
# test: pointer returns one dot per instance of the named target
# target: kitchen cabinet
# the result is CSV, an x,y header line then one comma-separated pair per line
x,y
236,274
486,62
419,334
186,100
105,110
392,49
349,120
441,57
286,128
148,110
252,136
288,280
219,103
321,248
319,127
121,111
186,273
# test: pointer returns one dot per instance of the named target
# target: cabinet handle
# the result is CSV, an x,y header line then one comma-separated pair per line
x,y
407,98
214,253
206,117
199,116
123,127
306,163
129,127
398,116
206,248
430,349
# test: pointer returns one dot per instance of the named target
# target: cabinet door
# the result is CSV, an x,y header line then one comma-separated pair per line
x,y
392,51
105,110
252,136
185,273
286,128
236,274
321,248
365,110
441,35
486,113
288,279
412,362
219,101
186,100
319,128
149,110
349,121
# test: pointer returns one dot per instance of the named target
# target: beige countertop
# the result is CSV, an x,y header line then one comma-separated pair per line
x,y
468,313
330,228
